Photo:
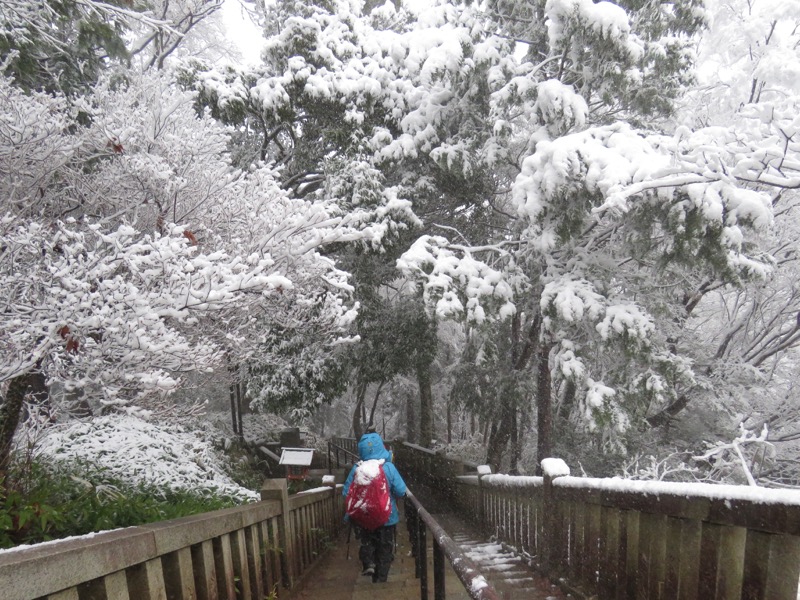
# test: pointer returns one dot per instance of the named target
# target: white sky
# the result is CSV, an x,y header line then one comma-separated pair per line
x,y
242,31
249,39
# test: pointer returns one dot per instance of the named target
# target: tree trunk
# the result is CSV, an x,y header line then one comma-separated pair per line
x,y
358,424
364,412
449,421
568,403
411,419
239,409
234,420
521,351
516,448
665,415
11,409
371,422
544,443
501,434
425,404
523,426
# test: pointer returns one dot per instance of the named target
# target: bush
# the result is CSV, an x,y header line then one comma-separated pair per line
x,y
166,457
39,504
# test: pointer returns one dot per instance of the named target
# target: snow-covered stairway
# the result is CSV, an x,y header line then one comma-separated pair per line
x,y
337,577
508,572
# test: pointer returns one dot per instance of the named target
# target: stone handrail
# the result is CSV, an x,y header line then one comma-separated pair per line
x,y
241,552
614,539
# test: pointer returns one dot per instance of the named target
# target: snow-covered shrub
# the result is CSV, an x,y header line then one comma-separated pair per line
x,y
257,428
469,450
134,451
748,459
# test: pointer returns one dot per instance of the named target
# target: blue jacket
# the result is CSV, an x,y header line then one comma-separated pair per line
x,y
370,446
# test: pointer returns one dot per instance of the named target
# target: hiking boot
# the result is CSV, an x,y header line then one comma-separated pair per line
x,y
369,570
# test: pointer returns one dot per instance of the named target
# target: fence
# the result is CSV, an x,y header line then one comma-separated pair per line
x,y
247,552
420,522
614,539
342,452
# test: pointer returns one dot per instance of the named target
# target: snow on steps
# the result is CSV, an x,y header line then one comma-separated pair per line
x,y
508,572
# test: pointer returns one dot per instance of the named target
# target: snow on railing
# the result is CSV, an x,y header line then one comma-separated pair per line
x,y
614,538
420,522
246,552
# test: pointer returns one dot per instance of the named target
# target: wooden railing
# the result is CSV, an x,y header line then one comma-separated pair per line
x,y
508,508
254,551
670,540
420,523
615,539
342,453
432,469
348,444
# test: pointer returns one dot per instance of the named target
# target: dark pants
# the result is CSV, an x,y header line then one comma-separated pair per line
x,y
377,548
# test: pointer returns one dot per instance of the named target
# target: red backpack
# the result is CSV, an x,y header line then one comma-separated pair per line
x,y
368,503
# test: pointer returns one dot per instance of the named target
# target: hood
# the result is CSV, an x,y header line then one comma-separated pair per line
x,y
370,447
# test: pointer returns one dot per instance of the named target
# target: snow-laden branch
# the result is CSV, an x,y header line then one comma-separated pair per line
x,y
121,310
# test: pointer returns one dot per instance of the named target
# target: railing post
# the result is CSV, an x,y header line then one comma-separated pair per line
x,y
417,532
333,526
482,470
277,489
552,468
412,522
422,557
438,572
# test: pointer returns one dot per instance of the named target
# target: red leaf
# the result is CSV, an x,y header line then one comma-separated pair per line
x,y
190,236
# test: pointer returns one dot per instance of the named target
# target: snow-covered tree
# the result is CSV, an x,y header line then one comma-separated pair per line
x,y
133,251
444,111
61,46
179,23
746,90
521,163
620,232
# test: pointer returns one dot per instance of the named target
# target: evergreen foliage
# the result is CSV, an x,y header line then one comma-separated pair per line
x,y
507,203
60,46
40,503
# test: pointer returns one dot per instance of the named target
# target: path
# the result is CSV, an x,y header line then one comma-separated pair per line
x,y
337,578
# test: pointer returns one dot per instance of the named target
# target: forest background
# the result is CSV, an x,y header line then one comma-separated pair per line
x,y
510,230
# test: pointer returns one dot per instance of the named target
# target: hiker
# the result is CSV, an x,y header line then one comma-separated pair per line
x,y
376,550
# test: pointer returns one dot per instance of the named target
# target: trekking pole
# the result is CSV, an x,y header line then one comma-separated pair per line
x,y
349,531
